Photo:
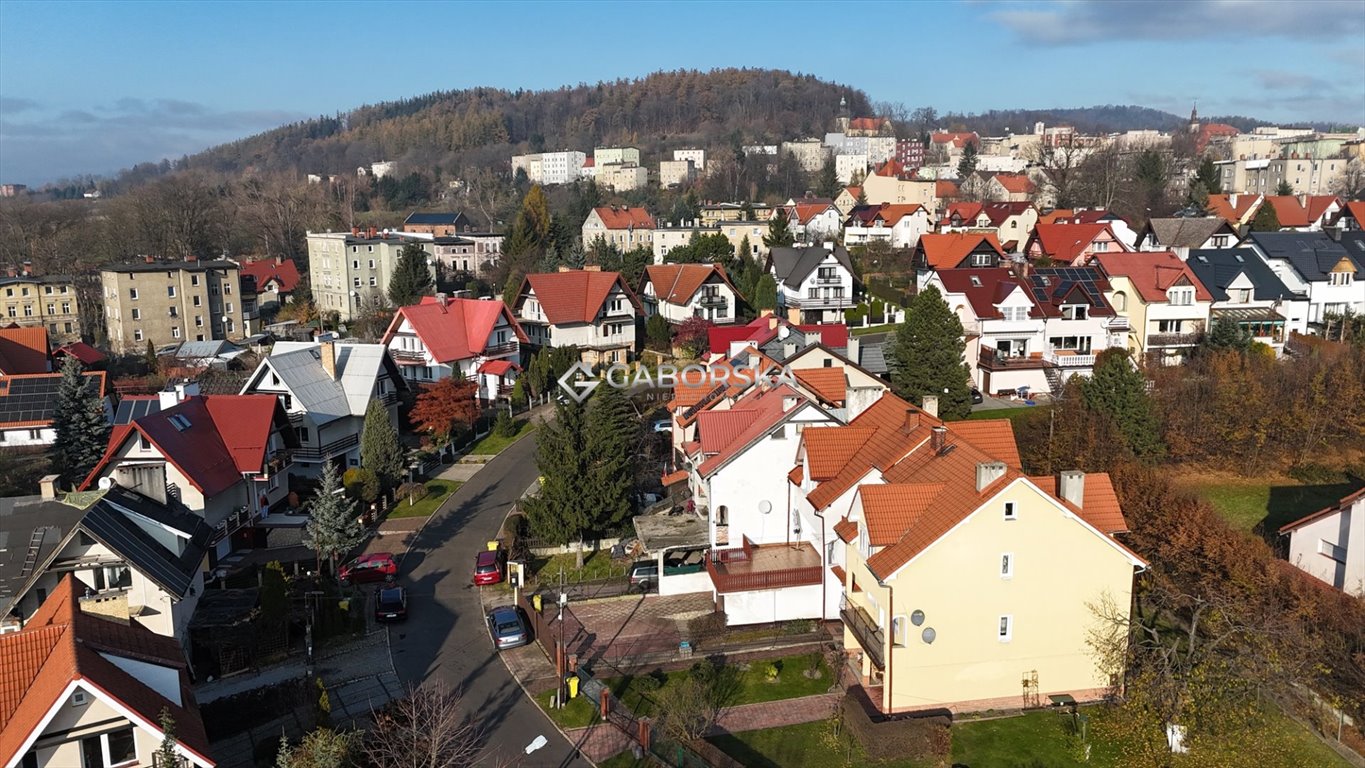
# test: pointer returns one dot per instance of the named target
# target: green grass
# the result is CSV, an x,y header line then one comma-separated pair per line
x,y
1037,738
578,713
1022,413
437,492
808,745
492,444
627,760
596,565
1261,507
887,328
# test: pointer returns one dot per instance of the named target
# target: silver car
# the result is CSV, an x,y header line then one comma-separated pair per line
x,y
508,627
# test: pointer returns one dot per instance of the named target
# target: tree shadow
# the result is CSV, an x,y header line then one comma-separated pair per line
x,y
1287,503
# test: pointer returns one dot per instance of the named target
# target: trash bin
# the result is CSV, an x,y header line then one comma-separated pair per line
x,y
572,680
535,602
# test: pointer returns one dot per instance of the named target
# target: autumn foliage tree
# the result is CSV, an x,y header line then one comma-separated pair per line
x,y
444,406
692,336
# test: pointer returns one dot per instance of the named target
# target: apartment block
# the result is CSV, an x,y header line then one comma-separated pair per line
x,y
48,301
349,271
167,302
615,156
550,167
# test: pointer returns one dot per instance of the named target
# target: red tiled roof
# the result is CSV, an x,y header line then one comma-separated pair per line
x,y
1016,183
766,407
990,287
828,449
498,367
625,218
23,350
678,283
831,334
946,250
1099,503
762,329
994,436
454,329
891,213
1292,213
717,429
889,510
244,425
797,475
846,529
575,296
802,213
958,139
891,168
999,213
673,477
828,384
1152,273
1224,207
855,192
687,394
896,428
1065,242
61,644
866,123
1356,210
83,352
285,273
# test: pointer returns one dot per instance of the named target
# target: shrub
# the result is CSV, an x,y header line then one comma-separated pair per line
x,y
1312,473
772,672
361,483
412,492
503,426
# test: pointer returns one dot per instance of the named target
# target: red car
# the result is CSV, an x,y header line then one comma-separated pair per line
x,y
489,566
379,566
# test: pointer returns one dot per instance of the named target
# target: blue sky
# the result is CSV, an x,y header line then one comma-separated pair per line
x,y
94,87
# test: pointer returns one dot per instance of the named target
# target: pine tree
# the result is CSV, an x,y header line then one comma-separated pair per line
x,y
827,184
658,332
165,751
332,529
79,421
381,451
862,198
966,166
557,513
1283,189
411,279
149,357
1207,175
765,292
1266,219
1118,390
779,231
926,356
1227,334
610,436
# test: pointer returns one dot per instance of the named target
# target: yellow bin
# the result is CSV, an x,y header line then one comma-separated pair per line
x,y
493,545
535,602
573,686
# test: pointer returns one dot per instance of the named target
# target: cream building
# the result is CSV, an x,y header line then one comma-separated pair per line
x,y
622,178
47,301
697,156
167,302
349,271
810,153
673,173
615,156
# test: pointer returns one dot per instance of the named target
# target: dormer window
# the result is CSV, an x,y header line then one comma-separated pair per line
x,y
1075,312
1181,296
1340,278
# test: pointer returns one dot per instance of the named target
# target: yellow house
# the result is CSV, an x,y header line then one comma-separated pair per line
x,y
1167,307
966,584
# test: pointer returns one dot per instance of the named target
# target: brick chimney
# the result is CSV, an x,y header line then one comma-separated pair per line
x,y
565,268
592,267
911,419
988,472
48,487
1071,487
328,356
938,439
930,405
150,259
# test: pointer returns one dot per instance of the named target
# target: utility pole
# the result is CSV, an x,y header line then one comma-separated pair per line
x,y
561,655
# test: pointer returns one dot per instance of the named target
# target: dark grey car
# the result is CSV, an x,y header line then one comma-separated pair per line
x,y
508,627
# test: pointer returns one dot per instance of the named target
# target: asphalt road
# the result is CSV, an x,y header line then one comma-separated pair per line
x,y
445,638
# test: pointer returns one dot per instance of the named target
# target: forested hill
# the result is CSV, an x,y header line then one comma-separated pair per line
x,y
482,126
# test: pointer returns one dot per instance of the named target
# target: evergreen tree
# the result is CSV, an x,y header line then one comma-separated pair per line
x,y
1118,390
165,751
1227,334
744,256
827,183
1207,176
1266,219
779,231
512,288
1283,189
503,425
658,332
1150,175
862,198
79,421
331,530
531,228
557,513
966,166
411,279
926,356
381,451
765,292
610,436
747,209
149,357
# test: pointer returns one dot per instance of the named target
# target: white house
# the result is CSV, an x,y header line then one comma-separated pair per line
x,y
625,228
1182,235
812,221
29,403
1330,544
900,225
592,310
479,338
814,283
1315,265
680,291
1247,292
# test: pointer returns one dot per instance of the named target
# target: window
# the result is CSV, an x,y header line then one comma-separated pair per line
x,y
199,321
132,294
1181,296
1168,326
13,311
194,279
213,289
303,434
66,307
374,281
1006,630
109,749
28,310
1220,241
371,263
355,263
137,313
1120,302
174,312
227,289
143,443
1340,278
1007,565
137,334
1328,549
355,282
35,434
898,630
982,259
51,308
1009,511
1075,312
229,307
170,291
198,300
175,332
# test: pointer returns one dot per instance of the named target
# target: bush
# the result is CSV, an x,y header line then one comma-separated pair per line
x,y
1312,473
705,625
920,739
412,492
361,483
772,672
503,426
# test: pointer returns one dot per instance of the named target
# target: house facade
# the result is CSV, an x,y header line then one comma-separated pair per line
x,y
48,301
478,339
1167,307
1247,292
1182,235
1329,544
349,272
1074,244
589,309
165,302
29,404
680,291
899,225
815,283
275,280
625,228
1314,265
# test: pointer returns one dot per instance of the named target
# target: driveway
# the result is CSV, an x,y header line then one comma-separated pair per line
x,y
445,638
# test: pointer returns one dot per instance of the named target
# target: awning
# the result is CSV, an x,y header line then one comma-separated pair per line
x,y
673,477
498,367
1250,315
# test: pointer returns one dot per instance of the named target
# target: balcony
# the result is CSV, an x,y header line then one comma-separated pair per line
x,y
408,356
1066,358
1117,323
993,360
334,448
771,566
713,300
1173,339
278,462
828,280
497,350
871,637
819,302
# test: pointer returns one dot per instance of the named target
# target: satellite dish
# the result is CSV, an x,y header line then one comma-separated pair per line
x,y
106,483
928,635
783,331
917,617
765,506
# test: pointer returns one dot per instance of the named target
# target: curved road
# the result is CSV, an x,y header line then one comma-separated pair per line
x,y
447,640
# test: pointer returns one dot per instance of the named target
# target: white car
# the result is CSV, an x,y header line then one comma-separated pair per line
x,y
662,426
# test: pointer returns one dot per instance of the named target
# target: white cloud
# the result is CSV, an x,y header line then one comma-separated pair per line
x,y
1092,21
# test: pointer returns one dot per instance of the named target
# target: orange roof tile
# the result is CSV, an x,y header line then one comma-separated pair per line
x,y
1099,503
1016,183
454,329
829,384
1066,242
1152,273
766,407
889,510
673,477
828,449
797,475
946,250
575,296
1356,210
846,529
1233,208
896,428
24,350
994,436
678,283
717,429
625,218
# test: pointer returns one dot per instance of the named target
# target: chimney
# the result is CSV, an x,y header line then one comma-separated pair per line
x,y
11,272
328,350
48,485
911,419
565,268
355,231
1071,487
988,472
789,402
592,267
279,260
150,259
938,439
930,405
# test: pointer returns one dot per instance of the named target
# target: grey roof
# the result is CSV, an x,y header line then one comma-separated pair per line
x,y
1312,254
450,218
1216,268
200,350
792,265
1186,233
299,366
1354,243
54,279
130,408
872,356
30,523
122,521
168,266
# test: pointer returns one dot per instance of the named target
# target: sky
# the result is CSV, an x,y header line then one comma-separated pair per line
x,y
93,87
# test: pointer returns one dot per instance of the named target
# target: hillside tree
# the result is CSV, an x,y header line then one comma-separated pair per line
x,y
966,165
779,231
332,529
926,356
381,451
827,183
444,406
611,435
411,278
1118,390
556,513
79,422
765,292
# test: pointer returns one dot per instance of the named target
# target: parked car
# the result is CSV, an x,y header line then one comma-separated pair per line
x,y
644,575
664,426
390,603
977,399
490,566
509,627
367,569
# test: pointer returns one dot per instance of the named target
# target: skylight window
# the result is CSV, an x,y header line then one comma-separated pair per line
x,y
976,281
180,422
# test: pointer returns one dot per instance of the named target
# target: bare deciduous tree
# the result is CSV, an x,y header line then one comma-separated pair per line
x,y
427,728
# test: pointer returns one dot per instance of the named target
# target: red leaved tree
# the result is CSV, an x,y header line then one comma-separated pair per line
x,y
443,406
692,336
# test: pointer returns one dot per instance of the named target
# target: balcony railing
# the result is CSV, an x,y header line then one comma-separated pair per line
x,y
408,355
1117,323
753,581
871,637
992,360
1068,359
816,302
828,280
494,350
1173,339
713,300
334,448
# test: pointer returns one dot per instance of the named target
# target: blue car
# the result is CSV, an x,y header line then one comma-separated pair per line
x,y
509,627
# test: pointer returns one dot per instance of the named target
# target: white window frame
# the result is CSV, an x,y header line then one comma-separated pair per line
x,y
1010,511
1004,629
1006,565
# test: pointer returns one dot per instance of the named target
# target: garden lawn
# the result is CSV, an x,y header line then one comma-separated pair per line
x,y
807,745
596,565
1022,413
492,444
437,492
750,686
1254,505
578,713
887,328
